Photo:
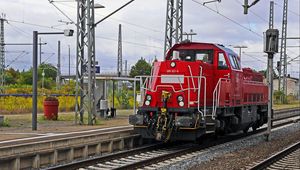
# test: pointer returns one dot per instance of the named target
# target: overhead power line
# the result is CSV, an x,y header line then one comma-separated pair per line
x,y
251,56
292,12
230,19
32,24
118,20
61,11
22,54
129,42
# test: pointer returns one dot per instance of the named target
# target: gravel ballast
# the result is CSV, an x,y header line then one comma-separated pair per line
x,y
239,154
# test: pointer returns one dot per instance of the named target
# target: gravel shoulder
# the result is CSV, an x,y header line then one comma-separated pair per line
x,y
238,154
243,158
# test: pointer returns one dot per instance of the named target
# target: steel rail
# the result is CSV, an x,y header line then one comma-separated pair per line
x,y
143,163
274,158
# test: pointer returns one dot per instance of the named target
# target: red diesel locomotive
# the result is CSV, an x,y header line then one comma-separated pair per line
x,y
200,88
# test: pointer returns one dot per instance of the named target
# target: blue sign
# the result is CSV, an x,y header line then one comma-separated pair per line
x,y
98,69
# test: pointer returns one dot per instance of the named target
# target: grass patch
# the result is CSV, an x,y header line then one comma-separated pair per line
x,y
5,123
294,104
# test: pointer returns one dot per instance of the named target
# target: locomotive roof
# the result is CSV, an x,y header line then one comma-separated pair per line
x,y
205,46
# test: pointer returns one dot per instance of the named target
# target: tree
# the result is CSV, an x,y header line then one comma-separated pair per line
x,y
49,69
26,77
140,68
264,72
11,76
49,79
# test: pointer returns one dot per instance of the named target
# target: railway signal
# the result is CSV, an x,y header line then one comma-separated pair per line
x,y
270,47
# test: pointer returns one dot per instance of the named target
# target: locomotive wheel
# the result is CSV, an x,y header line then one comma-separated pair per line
x,y
246,130
254,127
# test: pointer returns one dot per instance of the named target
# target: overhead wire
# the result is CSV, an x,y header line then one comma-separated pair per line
x,y
254,57
32,24
230,19
62,12
251,11
28,35
24,53
19,30
292,12
118,20
129,42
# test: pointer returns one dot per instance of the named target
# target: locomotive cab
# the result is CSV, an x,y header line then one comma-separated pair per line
x,y
197,89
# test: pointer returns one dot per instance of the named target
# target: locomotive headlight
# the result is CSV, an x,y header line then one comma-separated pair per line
x,y
148,97
180,98
181,104
173,64
147,102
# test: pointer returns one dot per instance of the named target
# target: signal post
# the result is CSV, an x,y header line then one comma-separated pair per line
x,y
270,47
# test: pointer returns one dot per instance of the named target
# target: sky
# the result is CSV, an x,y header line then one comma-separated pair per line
x,y
143,30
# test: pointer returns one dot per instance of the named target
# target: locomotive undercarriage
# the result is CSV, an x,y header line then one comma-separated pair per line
x,y
168,124
172,124
234,119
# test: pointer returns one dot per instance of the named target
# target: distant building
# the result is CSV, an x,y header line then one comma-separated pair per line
x,y
293,85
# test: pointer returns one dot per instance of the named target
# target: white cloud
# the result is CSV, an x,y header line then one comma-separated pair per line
x,y
143,28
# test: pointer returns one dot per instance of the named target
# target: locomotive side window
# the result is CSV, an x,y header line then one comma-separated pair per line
x,y
222,65
238,62
234,62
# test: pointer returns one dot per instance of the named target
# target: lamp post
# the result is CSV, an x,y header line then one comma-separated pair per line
x,y
239,47
35,71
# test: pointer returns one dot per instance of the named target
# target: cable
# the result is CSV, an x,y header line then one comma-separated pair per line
x,y
61,11
146,35
118,20
128,42
237,23
29,35
251,56
19,30
258,16
51,54
24,53
37,25
295,13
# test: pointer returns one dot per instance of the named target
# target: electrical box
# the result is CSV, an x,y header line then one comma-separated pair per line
x,y
271,38
68,32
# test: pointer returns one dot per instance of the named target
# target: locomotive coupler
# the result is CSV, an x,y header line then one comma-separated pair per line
x,y
163,130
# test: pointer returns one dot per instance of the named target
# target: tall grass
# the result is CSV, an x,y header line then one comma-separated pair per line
x,y
16,105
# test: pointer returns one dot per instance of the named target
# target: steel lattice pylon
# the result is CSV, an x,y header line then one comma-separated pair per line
x,y
174,23
282,86
119,69
2,54
85,62
271,17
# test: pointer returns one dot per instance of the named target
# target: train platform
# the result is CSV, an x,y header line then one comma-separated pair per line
x,y
18,126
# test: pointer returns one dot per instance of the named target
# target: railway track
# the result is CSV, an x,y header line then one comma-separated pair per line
x,y
288,158
152,157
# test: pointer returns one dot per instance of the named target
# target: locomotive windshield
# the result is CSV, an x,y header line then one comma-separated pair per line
x,y
234,62
193,55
